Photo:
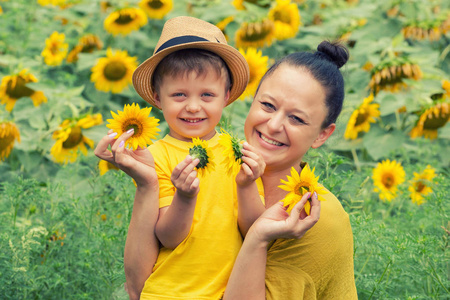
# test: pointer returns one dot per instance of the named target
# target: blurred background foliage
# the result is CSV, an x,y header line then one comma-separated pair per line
x,y
64,217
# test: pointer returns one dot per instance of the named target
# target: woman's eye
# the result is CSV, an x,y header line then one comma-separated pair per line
x,y
297,120
268,105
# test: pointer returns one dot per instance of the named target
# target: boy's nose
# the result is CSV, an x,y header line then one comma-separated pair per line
x,y
193,106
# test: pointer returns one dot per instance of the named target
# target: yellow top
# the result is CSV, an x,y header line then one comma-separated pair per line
x,y
200,266
317,266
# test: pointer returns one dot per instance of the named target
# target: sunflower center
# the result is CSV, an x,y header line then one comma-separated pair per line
x,y
115,71
420,186
5,142
257,31
75,137
282,15
19,90
155,4
135,124
388,180
302,187
54,49
436,122
256,2
123,19
361,118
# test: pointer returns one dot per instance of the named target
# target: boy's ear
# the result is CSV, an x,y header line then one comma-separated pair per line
x,y
157,100
227,97
323,136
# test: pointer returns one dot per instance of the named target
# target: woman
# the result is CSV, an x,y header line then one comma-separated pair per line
x,y
295,108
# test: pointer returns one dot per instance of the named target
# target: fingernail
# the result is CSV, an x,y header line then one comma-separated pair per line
x,y
112,134
245,144
121,144
315,194
130,130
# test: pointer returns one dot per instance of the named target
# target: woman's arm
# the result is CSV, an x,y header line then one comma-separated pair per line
x,y
247,280
141,247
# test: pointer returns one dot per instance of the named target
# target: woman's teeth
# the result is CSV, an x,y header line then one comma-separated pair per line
x,y
270,141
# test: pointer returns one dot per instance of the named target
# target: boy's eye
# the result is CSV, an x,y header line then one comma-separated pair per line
x,y
177,94
207,95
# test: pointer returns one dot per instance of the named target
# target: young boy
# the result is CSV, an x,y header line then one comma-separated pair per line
x,y
192,75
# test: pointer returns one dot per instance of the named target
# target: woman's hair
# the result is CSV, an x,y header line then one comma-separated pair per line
x,y
324,66
184,61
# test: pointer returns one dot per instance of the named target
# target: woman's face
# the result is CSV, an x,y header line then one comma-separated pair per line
x,y
285,118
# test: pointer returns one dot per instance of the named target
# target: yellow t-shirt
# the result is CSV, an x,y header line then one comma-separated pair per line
x,y
200,266
317,266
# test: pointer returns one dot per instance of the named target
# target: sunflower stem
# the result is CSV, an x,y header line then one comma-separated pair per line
x,y
356,160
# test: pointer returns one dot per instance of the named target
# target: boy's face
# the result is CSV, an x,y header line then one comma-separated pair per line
x,y
192,105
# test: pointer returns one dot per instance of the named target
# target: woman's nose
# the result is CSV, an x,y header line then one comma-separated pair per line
x,y
275,123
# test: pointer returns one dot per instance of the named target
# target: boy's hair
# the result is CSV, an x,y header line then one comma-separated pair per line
x,y
184,61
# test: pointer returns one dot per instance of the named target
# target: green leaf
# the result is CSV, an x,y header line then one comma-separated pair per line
x,y
380,143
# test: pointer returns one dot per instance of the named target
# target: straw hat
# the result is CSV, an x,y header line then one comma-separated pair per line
x,y
188,32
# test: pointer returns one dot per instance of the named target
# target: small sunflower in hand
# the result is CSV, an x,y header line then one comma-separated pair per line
x,y
298,185
145,127
201,150
232,152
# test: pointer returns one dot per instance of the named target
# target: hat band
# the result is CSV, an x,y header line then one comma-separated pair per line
x,y
180,40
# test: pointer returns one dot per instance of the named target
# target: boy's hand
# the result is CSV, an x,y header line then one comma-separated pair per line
x,y
138,164
252,167
184,178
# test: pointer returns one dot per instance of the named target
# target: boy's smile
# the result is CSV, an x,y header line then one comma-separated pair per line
x,y
192,105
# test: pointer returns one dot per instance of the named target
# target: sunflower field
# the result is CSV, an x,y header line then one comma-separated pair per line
x,y
66,67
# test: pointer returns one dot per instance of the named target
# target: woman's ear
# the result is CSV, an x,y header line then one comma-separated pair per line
x,y
323,136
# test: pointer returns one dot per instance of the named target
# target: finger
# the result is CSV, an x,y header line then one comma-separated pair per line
x,y
120,141
184,168
247,170
195,184
315,207
101,150
297,209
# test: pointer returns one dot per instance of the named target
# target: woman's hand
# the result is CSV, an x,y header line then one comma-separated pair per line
x,y
276,223
138,164
252,167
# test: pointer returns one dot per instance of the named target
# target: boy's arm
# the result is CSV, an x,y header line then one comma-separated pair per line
x,y
175,221
250,206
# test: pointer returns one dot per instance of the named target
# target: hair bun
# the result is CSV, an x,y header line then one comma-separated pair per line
x,y
336,52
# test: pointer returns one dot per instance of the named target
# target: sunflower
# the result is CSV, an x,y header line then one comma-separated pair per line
x,y
104,166
114,72
86,44
257,64
13,87
420,33
145,127
232,151
420,185
446,87
200,149
55,49
298,185
389,74
223,24
239,4
8,134
386,177
52,2
286,18
69,138
125,20
431,120
156,9
256,34
361,118
1,10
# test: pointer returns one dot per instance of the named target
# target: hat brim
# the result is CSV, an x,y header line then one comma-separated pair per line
x,y
142,76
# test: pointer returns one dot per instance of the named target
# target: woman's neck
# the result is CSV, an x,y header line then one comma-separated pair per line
x,y
271,181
